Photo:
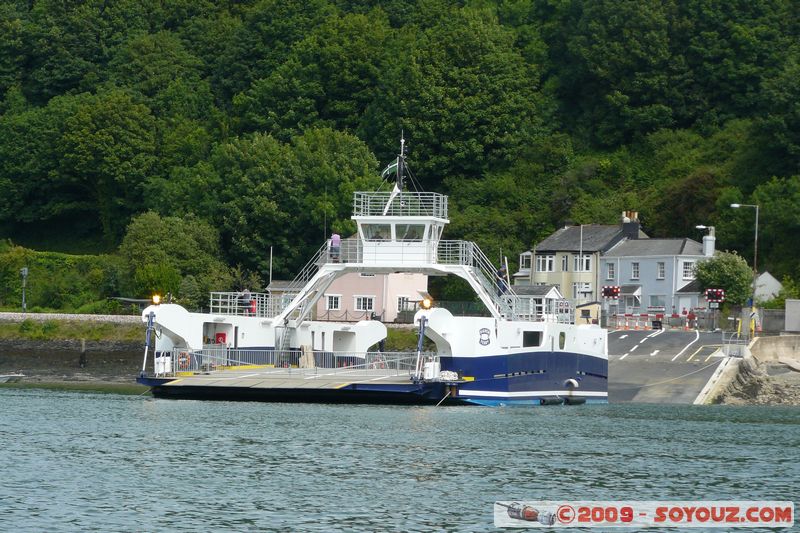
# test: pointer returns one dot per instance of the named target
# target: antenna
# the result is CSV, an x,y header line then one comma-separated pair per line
x,y
401,161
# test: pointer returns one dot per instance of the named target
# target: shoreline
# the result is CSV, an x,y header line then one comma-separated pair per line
x,y
93,386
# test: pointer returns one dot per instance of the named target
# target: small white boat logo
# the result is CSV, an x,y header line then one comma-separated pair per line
x,y
484,336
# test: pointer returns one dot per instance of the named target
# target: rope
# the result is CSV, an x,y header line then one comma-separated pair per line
x,y
443,399
671,379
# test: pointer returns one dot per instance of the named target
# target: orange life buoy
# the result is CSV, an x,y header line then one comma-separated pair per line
x,y
183,360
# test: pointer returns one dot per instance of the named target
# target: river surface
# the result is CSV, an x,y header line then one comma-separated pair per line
x,y
103,462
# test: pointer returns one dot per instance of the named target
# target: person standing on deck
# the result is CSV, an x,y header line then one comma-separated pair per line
x,y
336,247
502,283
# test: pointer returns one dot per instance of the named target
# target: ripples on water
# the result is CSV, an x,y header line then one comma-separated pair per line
x,y
88,462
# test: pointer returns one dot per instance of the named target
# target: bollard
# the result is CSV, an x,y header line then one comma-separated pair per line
x,y
82,361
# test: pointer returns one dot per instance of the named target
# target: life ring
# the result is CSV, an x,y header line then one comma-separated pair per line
x,y
183,360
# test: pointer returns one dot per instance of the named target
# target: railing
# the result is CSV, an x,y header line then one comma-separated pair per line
x,y
428,204
254,304
310,269
214,358
344,316
465,253
734,344
483,271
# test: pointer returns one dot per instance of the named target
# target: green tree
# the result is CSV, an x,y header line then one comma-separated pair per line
x,y
722,53
781,122
67,45
613,78
466,98
331,166
34,189
726,271
779,224
282,196
262,42
160,252
328,79
259,201
149,63
108,152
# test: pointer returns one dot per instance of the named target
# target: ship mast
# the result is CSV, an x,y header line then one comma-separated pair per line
x,y
400,169
401,160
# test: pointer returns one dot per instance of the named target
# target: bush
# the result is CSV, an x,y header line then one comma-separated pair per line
x,y
57,281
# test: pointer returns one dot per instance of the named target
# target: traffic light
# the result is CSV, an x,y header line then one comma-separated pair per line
x,y
715,295
611,291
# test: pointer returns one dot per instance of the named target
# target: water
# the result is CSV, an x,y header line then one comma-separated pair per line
x,y
89,462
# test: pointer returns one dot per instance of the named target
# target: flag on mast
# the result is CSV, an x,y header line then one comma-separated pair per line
x,y
391,168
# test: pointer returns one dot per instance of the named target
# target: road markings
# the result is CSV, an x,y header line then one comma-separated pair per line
x,y
654,352
623,336
632,349
624,356
697,337
697,351
715,353
655,334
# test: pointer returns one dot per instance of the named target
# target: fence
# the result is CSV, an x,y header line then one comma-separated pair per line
x,y
213,358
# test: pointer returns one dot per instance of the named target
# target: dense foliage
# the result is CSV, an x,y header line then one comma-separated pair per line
x,y
729,272
224,129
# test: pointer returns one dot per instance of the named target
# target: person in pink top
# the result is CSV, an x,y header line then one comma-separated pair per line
x,y
336,247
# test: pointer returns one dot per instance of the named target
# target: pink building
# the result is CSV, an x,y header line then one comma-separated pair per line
x,y
356,296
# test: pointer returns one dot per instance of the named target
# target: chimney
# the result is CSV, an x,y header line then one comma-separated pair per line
x,y
630,224
709,242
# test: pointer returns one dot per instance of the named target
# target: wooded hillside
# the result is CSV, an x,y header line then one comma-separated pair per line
x,y
252,122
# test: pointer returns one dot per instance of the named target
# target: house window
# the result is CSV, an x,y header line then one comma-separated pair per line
x,y
564,263
333,302
688,270
545,263
403,304
610,274
582,263
660,270
658,301
581,290
634,270
525,261
365,303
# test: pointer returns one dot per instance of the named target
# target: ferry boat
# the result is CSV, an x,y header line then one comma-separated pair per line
x,y
269,347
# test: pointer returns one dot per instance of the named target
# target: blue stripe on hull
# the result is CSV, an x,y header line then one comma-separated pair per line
x,y
522,378
486,402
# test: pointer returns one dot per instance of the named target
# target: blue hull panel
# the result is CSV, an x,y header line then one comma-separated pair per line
x,y
531,377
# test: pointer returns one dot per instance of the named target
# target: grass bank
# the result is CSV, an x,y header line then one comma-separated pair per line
x,y
54,330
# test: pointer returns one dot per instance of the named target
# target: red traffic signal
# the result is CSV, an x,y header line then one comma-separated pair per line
x,y
715,295
611,291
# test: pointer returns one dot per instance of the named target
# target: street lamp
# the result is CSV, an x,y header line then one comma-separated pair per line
x,y
24,273
755,248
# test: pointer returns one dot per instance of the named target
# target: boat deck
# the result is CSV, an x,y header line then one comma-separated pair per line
x,y
327,385
294,378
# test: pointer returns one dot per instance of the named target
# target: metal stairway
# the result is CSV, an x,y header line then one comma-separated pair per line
x,y
482,276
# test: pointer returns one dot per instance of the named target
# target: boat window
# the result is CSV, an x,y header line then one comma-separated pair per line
x,y
377,232
562,340
531,338
410,232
